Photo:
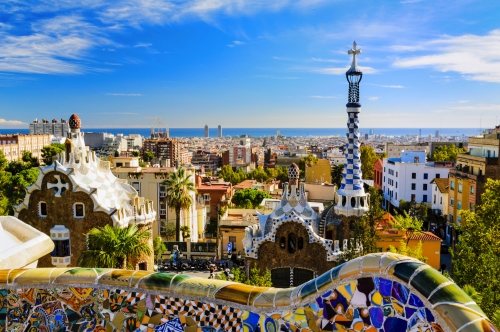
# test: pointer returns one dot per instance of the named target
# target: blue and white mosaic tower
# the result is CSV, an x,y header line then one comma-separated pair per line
x,y
351,197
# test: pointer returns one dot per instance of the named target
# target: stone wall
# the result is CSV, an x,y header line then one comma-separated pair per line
x,y
311,257
377,292
60,212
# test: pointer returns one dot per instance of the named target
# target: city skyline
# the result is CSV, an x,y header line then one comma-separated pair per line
x,y
249,63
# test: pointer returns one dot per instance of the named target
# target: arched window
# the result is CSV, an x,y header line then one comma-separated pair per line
x,y
353,201
300,243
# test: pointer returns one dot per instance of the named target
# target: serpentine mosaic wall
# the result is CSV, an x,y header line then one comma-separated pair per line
x,y
377,292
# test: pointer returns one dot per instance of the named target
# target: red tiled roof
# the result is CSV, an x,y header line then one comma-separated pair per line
x,y
422,236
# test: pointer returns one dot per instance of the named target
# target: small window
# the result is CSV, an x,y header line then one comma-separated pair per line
x,y
424,199
42,209
426,176
459,187
471,189
451,202
438,176
282,242
424,186
413,175
79,210
413,186
452,185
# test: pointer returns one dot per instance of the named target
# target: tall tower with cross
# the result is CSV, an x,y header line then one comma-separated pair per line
x,y
351,197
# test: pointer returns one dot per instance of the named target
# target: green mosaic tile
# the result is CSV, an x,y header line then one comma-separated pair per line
x,y
390,258
450,293
197,287
405,270
157,281
427,280
456,316
177,280
117,278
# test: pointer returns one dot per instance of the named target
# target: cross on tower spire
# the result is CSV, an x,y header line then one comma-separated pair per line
x,y
354,51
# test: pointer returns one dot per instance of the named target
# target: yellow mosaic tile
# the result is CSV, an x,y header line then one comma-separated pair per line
x,y
35,276
237,293
256,291
4,274
77,276
56,272
137,276
263,297
282,297
14,273
199,287
456,316
117,277
347,290
370,263
350,268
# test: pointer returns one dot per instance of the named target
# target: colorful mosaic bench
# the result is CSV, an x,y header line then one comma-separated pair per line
x,y
377,292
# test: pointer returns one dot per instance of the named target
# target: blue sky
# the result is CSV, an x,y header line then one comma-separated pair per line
x,y
249,63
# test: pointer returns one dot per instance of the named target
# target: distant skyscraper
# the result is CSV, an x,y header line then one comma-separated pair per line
x,y
278,133
372,131
206,130
437,134
219,131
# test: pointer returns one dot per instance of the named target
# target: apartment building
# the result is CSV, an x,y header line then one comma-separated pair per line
x,y
473,169
55,128
163,148
409,177
13,146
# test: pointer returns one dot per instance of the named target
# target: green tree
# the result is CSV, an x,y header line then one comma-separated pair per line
x,y
447,153
259,175
366,228
479,243
368,159
3,161
178,195
249,198
337,174
135,153
169,231
117,153
211,226
113,247
49,151
405,249
148,156
256,278
159,247
29,159
405,222
282,173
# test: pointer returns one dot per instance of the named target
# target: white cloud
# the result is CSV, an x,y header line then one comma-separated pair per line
x,y
463,101
143,45
373,98
236,43
475,57
323,97
389,86
124,94
4,122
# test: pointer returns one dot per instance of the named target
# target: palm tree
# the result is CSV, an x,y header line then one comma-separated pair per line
x,y
112,247
178,195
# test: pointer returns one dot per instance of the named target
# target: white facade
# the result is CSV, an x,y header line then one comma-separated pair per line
x,y
409,178
439,199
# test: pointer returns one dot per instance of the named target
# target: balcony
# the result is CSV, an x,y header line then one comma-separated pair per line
x,y
464,175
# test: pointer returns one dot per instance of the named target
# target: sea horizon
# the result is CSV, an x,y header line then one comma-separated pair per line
x,y
265,132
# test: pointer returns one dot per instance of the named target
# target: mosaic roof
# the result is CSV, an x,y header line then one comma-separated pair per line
x,y
377,292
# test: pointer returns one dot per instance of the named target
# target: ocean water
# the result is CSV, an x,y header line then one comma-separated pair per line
x,y
262,132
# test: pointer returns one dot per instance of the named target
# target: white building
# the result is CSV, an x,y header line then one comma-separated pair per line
x,y
409,177
53,128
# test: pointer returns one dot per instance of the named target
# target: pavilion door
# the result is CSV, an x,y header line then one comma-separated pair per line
x,y
281,277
